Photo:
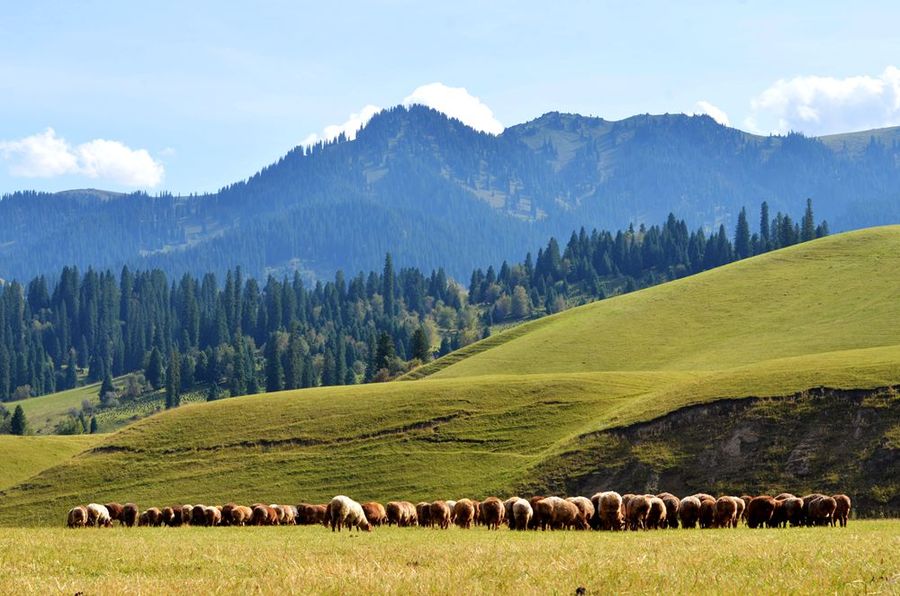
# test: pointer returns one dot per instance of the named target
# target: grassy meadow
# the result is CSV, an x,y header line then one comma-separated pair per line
x,y
862,558
23,457
492,418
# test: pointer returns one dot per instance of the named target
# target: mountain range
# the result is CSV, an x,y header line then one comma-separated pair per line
x,y
437,193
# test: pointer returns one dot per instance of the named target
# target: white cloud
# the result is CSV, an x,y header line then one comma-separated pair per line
x,y
714,112
458,103
354,122
46,155
822,105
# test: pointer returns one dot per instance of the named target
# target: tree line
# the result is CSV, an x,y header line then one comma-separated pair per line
x,y
239,336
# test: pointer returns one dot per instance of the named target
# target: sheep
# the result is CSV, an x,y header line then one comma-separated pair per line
x,y
533,501
98,515
394,513
637,508
807,500
609,510
451,505
821,511
493,512
726,512
522,513
423,514
760,510
477,505
656,516
671,502
410,514
213,516
186,511
507,512
746,499
260,516
375,513
228,513
842,510
585,508
129,515
439,515
557,513
77,517
241,515
702,496
152,517
707,512
115,511
198,515
309,514
464,513
741,507
793,511
779,515
347,512
783,496
689,512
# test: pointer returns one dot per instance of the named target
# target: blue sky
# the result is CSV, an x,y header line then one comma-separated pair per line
x,y
165,96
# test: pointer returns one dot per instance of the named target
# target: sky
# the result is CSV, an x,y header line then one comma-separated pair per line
x,y
191,96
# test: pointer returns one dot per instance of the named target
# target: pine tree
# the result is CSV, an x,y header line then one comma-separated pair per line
x,y
421,350
71,372
19,424
274,371
387,288
154,371
742,247
5,374
107,386
808,227
765,243
173,380
93,428
386,351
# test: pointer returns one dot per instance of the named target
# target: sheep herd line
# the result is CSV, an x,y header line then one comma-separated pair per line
x,y
604,511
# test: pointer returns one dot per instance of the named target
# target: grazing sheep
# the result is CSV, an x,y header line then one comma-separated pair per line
x,y
186,512
227,513
726,512
259,516
98,515
746,499
779,515
129,515
423,514
741,507
77,517
842,511
672,503
609,511
533,501
493,512
477,506
557,513
792,508
656,516
115,511
394,513
522,513
439,515
637,508
702,496
241,515
410,514
309,514
807,500
451,505
585,509
464,513
213,516
198,515
347,512
783,496
821,511
375,513
152,517
507,512
707,512
760,510
689,512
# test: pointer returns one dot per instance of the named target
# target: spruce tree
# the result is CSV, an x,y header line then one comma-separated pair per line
x,y
19,424
808,227
764,236
387,287
71,372
385,353
420,347
173,380
154,371
274,371
107,386
5,374
93,425
742,247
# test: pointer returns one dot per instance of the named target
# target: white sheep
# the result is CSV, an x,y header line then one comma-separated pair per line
x,y
522,513
346,511
98,515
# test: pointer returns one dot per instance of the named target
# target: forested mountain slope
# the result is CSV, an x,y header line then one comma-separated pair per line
x,y
437,193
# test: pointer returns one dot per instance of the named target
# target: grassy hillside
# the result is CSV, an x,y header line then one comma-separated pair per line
x,y
820,314
46,411
23,457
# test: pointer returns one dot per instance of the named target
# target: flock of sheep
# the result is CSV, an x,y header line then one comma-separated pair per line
x,y
604,511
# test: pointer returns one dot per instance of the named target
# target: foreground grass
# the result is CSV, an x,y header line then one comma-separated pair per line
x,y
863,558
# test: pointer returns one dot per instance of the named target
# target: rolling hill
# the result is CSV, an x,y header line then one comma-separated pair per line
x,y
785,362
437,193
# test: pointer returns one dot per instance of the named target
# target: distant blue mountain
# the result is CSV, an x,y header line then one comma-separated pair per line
x,y
435,192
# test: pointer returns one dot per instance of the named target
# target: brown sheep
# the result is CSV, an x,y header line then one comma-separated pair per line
x,y
726,512
198,515
609,511
671,502
807,500
213,516
423,514
439,515
821,511
168,517
394,513
151,517
186,512
760,510
842,510
241,515
115,511
637,508
227,512
493,512
533,501
129,515
477,506
746,499
792,509
656,516
779,515
707,512
689,512
375,513
77,517
585,509
260,516
464,513
559,514
309,514
702,496
783,496
410,514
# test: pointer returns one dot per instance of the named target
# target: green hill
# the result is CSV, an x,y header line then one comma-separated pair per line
x,y
528,409
23,457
